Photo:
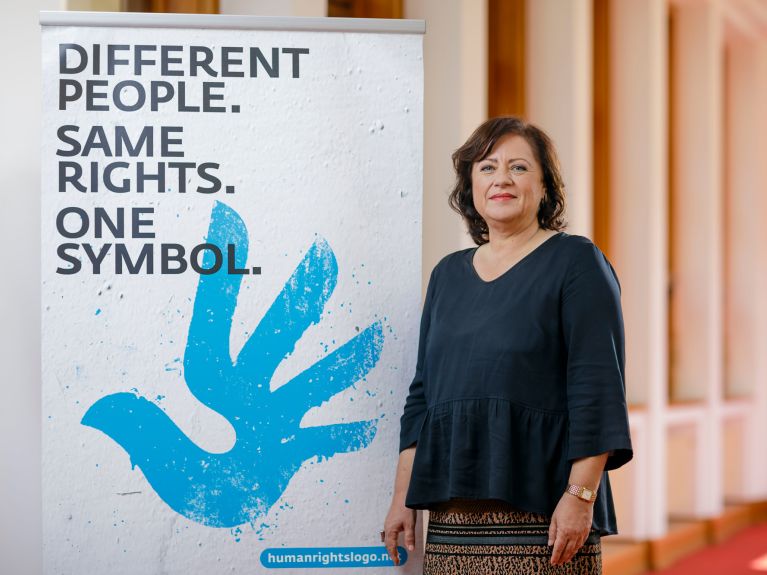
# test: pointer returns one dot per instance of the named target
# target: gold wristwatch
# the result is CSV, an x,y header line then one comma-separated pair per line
x,y
582,492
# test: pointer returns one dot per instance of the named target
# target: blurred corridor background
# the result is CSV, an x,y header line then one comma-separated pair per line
x,y
657,108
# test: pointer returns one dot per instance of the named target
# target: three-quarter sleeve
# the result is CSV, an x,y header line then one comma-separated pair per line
x,y
592,322
415,404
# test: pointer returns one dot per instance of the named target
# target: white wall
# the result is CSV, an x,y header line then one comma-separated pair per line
x,y
455,103
559,95
20,524
306,8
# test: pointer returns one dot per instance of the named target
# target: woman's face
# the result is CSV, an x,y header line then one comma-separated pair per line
x,y
506,185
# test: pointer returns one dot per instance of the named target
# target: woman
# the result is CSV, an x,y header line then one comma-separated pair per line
x,y
517,408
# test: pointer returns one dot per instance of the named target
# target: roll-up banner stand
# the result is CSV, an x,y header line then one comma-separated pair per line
x,y
231,268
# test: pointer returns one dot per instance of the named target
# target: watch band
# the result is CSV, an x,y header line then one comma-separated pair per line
x,y
581,492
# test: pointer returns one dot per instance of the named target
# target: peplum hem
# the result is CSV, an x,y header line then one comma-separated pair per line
x,y
495,448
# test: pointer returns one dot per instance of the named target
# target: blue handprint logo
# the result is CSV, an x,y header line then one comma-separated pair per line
x,y
241,485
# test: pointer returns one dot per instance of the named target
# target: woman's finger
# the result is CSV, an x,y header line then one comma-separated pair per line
x,y
552,531
391,544
570,550
559,546
578,543
410,535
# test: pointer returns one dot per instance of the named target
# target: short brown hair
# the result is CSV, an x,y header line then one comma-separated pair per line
x,y
479,145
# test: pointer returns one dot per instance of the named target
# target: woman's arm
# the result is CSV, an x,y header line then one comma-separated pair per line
x,y
598,439
401,518
588,471
571,522
593,331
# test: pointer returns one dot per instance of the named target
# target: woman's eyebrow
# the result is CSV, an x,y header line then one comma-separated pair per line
x,y
511,160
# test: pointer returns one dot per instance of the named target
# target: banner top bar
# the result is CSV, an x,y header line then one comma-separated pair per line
x,y
230,22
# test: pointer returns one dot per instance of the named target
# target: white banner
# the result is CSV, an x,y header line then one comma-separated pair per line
x,y
231,232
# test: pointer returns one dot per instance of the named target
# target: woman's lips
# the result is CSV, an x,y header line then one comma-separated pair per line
x,y
502,197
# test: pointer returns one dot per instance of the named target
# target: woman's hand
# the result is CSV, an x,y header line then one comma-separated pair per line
x,y
399,518
570,527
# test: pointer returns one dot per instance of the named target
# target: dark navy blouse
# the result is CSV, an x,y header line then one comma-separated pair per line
x,y
516,378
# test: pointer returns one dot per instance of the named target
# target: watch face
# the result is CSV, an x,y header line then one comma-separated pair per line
x,y
587,493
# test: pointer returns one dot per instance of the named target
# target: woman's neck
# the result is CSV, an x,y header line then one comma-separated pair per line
x,y
503,242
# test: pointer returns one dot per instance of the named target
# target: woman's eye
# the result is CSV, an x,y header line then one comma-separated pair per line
x,y
486,168
518,169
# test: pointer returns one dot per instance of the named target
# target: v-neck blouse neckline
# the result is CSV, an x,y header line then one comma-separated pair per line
x,y
475,273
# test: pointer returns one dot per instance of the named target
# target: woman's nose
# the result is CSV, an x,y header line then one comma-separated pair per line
x,y
502,178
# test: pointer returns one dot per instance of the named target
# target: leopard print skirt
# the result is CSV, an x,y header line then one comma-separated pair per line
x,y
488,537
